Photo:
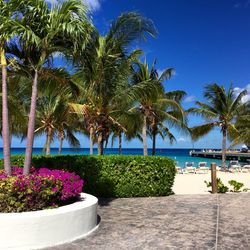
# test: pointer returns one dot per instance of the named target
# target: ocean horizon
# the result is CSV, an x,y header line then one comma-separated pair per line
x,y
180,155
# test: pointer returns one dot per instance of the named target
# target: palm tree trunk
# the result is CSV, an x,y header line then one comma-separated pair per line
x,y
153,142
91,133
31,126
48,142
10,138
60,146
224,148
44,146
100,144
5,116
144,136
120,143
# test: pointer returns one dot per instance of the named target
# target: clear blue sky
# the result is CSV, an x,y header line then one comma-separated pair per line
x,y
204,40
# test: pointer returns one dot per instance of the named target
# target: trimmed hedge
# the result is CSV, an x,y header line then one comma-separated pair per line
x,y
113,176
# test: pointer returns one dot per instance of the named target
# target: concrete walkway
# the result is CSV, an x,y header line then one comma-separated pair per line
x,y
174,222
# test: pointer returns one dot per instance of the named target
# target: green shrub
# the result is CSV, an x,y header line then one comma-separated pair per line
x,y
221,188
236,186
114,176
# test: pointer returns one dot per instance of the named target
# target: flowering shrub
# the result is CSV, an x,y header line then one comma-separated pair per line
x,y
71,183
41,189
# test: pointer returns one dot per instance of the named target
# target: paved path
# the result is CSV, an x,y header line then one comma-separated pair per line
x,y
174,222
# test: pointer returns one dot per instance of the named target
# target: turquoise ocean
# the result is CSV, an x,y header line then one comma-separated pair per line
x,y
179,155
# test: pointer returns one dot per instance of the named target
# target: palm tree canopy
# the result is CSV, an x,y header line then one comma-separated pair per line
x,y
105,69
222,109
53,112
240,131
41,31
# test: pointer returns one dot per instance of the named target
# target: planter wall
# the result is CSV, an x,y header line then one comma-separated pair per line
x,y
40,229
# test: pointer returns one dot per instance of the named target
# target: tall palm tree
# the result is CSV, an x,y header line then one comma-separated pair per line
x,y
18,92
105,70
5,34
42,32
144,74
221,110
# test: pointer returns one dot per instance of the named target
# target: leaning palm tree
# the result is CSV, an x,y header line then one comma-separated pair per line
x,y
104,69
44,31
221,110
142,73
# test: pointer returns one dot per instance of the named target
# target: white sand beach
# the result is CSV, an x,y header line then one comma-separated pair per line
x,y
194,183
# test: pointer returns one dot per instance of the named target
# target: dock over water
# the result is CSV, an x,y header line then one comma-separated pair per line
x,y
230,155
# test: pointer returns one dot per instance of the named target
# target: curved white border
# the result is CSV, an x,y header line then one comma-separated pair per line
x,y
45,228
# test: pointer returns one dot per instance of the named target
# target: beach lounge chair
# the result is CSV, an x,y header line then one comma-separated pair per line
x,y
245,169
178,169
234,166
218,168
189,168
202,168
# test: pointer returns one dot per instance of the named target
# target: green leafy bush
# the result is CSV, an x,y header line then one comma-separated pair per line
x,y
221,188
114,176
236,186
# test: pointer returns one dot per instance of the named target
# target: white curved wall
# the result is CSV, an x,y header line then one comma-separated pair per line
x,y
39,229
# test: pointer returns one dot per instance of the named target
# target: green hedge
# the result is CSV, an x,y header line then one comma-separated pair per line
x,y
114,176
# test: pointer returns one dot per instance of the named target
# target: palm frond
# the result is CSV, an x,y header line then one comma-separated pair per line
x,y
199,131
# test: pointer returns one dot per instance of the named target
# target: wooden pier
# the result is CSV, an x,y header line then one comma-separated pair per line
x,y
230,155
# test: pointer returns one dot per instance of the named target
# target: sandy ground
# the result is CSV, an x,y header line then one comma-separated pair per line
x,y
194,183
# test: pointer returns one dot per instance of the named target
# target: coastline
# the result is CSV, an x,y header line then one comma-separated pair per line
x,y
179,155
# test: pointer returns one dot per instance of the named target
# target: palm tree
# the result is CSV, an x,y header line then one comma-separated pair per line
x,y
53,117
221,110
131,123
105,70
240,132
18,91
5,35
42,32
144,74
167,113
87,117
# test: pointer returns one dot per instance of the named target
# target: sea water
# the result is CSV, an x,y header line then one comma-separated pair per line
x,y
179,155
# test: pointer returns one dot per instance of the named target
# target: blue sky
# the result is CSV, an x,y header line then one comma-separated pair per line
x,y
205,41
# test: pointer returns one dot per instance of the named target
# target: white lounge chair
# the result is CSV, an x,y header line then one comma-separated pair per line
x,y
218,168
245,169
178,169
202,168
234,166
189,168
